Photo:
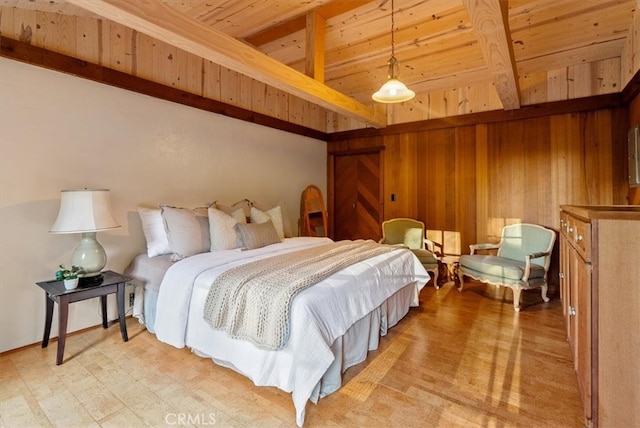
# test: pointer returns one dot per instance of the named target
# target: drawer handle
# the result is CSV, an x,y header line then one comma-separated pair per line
x,y
578,238
561,275
572,311
570,229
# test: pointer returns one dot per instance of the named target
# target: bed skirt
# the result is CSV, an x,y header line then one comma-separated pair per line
x,y
349,349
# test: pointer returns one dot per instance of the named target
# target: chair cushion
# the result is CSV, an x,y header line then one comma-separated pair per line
x,y
518,240
404,231
426,258
499,266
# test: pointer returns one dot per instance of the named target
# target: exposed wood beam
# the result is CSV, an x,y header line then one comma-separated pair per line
x,y
314,46
158,20
491,25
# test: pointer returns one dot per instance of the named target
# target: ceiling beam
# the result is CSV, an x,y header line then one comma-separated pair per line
x,y
158,20
314,46
490,22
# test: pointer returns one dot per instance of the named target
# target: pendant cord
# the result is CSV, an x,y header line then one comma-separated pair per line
x,y
393,41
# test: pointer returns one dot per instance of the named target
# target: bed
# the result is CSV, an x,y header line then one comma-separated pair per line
x,y
333,324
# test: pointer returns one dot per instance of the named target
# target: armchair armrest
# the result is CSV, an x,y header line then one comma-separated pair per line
x,y
527,262
431,246
538,254
474,247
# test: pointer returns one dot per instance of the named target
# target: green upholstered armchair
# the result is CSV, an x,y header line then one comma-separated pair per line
x,y
411,233
522,261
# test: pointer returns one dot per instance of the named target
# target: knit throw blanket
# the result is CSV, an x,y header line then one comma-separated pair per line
x,y
253,301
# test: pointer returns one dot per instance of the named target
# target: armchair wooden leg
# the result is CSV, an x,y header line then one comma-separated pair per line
x,y
460,277
516,298
435,278
543,290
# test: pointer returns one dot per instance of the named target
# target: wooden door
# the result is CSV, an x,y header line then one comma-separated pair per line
x,y
565,272
582,287
358,202
579,319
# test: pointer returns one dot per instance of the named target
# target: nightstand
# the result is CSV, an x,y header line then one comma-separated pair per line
x,y
112,282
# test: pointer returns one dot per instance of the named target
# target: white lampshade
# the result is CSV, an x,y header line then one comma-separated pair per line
x,y
86,211
393,91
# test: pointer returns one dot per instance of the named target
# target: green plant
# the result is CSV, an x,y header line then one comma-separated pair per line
x,y
65,273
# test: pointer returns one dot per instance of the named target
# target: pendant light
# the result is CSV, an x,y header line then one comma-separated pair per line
x,y
393,91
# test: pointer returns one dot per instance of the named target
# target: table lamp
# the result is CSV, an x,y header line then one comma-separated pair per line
x,y
86,211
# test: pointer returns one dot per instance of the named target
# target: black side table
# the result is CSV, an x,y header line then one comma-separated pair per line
x,y
112,282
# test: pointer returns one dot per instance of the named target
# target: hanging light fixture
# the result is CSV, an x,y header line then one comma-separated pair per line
x,y
393,91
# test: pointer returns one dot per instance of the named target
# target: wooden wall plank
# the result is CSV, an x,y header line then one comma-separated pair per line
x,y
45,31
121,40
24,24
557,85
597,137
400,161
482,185
192,74
533,87
65,34
211,80
7,23
464,190
89,41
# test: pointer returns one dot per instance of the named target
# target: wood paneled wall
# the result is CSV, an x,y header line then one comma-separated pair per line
x,y
466,182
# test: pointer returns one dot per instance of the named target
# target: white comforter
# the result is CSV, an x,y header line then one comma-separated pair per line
x,y
319,314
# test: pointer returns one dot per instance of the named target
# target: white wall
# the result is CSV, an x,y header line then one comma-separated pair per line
x,y
59,131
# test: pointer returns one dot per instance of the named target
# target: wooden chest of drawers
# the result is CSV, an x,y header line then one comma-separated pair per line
x,y
600,292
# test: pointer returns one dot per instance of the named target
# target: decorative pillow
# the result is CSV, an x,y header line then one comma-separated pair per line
x,y
274,214
221,232
286,224
154,233
187,231
244,204
256,235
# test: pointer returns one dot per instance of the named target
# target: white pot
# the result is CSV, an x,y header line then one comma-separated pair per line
x,y
70,284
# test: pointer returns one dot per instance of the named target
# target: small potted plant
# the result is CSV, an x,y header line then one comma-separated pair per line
x,y
69,276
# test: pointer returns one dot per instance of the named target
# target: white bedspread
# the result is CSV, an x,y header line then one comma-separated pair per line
x,y
319,314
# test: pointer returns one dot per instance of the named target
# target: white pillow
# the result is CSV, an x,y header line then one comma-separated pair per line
x,y
274,214
154,233
230,209
221,231
286,224
187,231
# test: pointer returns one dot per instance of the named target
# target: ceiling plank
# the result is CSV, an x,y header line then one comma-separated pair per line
x,y
164,23
298,23
491,25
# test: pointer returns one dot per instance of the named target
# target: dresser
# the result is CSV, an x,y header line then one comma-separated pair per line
x,y
600,293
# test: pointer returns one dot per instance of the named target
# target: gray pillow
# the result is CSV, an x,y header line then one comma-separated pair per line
x,y
187,231
256,235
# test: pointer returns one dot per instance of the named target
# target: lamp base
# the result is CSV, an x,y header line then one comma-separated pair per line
x,y
89,281
89,255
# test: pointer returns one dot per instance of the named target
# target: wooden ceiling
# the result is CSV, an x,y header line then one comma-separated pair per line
x,y
339,48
